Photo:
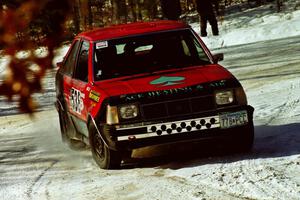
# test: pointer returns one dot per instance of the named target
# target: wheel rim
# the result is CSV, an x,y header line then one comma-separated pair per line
x,y
99,146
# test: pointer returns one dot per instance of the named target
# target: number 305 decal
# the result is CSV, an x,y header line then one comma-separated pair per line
x,y
76,101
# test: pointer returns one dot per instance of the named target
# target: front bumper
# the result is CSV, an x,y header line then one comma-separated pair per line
x,y
208,126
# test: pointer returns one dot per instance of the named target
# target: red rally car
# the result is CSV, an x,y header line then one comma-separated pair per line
x,y
129,86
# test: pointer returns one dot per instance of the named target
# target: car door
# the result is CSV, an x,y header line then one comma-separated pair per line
x,y
76,85
79,93
66,73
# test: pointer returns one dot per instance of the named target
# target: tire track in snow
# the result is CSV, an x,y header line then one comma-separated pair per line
x,y
273,183
227,177
252,181
289,105
246,179
47,193
203,190
198,189
37,179
260,180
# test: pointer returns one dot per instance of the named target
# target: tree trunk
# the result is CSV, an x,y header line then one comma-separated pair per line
x,y
99,19
119,11
76,17
116,12
139,8
151,8
132,6
90,14
123,11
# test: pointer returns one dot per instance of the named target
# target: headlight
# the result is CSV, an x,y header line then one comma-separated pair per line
x,y
224,97
112,115
128,111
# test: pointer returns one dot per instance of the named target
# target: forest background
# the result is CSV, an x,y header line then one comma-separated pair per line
x,y
31,31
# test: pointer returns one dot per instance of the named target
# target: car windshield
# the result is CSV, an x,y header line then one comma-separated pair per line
x,y
147,53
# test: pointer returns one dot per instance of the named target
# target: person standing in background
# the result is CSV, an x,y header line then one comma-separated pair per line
x,y
171,9
206,12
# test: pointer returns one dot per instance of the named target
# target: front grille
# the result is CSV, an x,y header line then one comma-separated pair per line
x,y
177,107
156,110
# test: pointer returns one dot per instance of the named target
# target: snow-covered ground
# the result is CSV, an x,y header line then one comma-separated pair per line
x,y
34,164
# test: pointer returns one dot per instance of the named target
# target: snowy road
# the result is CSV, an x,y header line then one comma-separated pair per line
x,y
34,164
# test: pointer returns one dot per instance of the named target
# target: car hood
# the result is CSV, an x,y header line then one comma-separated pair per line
x,y
164,80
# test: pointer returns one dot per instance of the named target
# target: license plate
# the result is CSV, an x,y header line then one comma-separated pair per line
x,y
230,120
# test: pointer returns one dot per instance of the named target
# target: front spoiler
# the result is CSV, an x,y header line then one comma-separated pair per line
x,y
131,137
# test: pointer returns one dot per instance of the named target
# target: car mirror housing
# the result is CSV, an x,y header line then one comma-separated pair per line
x,y
218,57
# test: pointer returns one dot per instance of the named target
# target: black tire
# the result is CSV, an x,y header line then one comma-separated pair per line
x,y
104,157
62,125
66,128
247,140
242,141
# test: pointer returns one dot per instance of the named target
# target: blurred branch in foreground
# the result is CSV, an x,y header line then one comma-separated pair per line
x,y
24,28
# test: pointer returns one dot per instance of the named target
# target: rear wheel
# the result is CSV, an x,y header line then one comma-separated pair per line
x,y
106,158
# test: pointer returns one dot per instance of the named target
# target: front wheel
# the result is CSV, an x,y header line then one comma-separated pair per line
x,y
248,140
104,157
242,140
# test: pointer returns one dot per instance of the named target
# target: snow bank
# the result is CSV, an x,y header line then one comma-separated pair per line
x,y
250,27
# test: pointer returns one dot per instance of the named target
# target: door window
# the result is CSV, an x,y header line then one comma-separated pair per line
x,y
81,72
69,65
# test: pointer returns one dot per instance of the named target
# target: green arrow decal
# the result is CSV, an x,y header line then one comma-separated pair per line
x,y
168,80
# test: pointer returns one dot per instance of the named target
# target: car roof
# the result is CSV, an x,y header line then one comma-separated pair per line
x,y
117,31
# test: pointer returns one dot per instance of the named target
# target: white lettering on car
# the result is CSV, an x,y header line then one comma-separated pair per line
x,y
76,100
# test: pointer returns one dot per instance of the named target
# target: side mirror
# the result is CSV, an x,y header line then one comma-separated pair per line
x,y
218,57
59,64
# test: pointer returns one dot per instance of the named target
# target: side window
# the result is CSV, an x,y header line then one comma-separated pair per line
x,y
81,72
202,55
69,65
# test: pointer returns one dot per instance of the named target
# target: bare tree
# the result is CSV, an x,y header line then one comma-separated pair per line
x,y
76,16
